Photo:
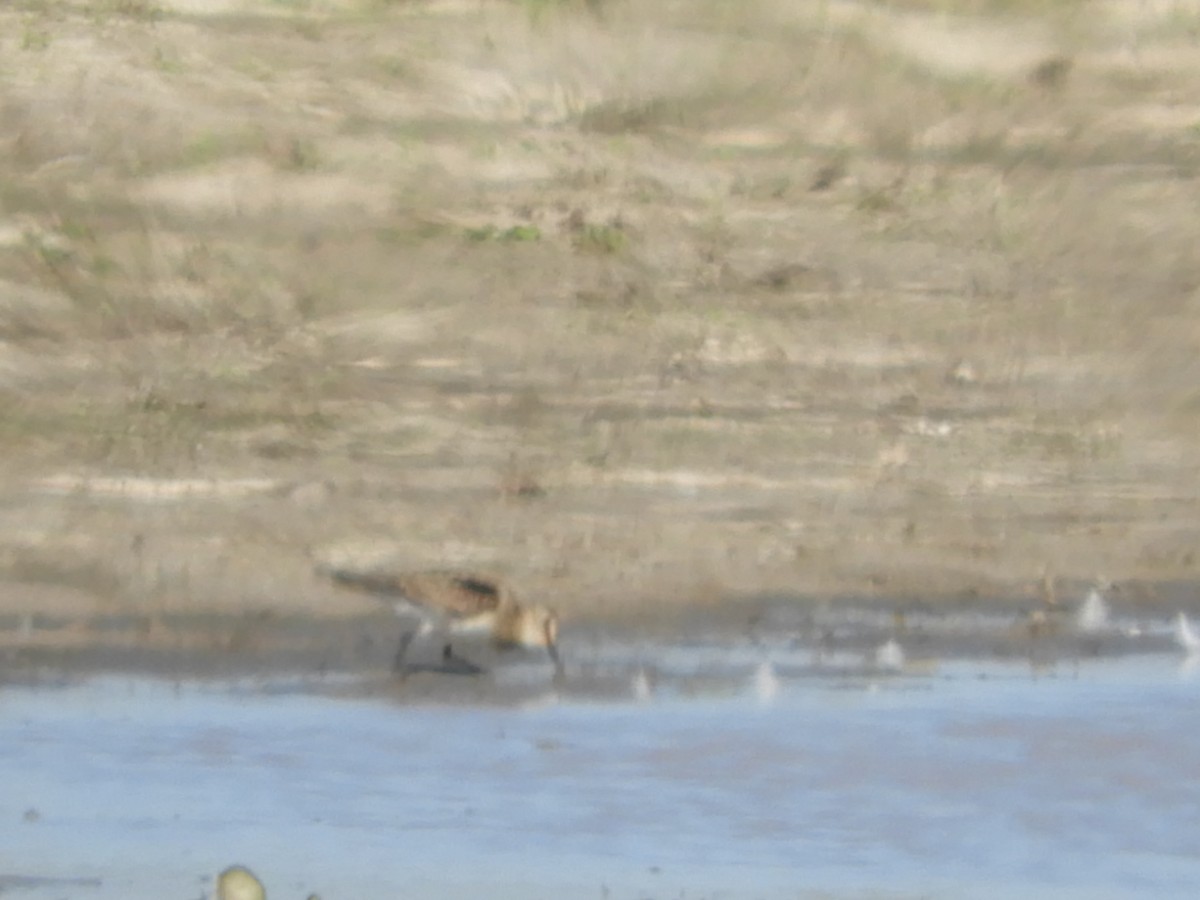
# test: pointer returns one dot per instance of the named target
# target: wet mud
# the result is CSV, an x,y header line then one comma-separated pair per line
x,y
805,638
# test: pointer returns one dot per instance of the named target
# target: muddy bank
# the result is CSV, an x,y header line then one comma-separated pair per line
x,y
820,636
625,306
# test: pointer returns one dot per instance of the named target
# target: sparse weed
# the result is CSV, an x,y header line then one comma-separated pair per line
x,y
623,116
309,29
35,37
167,62
539,9
603,239
1059,443
877,200
298,155
139,10
515,234
521,234
415,231
990,7
399,69
205,148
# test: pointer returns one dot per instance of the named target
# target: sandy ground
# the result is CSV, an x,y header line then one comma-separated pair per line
x,y
659,310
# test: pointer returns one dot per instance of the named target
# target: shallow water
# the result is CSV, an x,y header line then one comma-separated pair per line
x,y
974,781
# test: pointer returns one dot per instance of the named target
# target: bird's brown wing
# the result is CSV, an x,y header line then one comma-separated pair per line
x,y
453,592
457,594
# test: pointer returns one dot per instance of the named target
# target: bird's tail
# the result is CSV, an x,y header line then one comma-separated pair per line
x,y
370,582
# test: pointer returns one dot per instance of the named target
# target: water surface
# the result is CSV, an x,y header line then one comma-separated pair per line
x,y
973,781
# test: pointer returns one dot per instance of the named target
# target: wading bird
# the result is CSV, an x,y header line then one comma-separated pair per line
x,y
1185,635
450,604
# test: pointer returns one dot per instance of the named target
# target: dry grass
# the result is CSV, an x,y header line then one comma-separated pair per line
x,y
645,300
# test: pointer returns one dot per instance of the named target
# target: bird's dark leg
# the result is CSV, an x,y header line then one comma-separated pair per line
x,y
447,653
398,664
559,672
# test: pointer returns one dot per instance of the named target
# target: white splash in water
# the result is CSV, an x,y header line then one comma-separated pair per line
x,y
1092,615
889,656
766,683
1186,636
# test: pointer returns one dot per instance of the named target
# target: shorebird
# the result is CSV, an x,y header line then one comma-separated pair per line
x,y
446,604
643,686
889,656
1092,615
766,683
1185,635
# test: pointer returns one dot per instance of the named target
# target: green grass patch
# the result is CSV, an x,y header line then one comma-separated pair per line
x,y
606,240
34,37
516,234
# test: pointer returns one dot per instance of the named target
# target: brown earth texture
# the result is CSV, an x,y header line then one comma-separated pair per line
x,y
660,310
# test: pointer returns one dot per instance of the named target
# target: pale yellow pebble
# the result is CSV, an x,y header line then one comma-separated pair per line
x,y
239,883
